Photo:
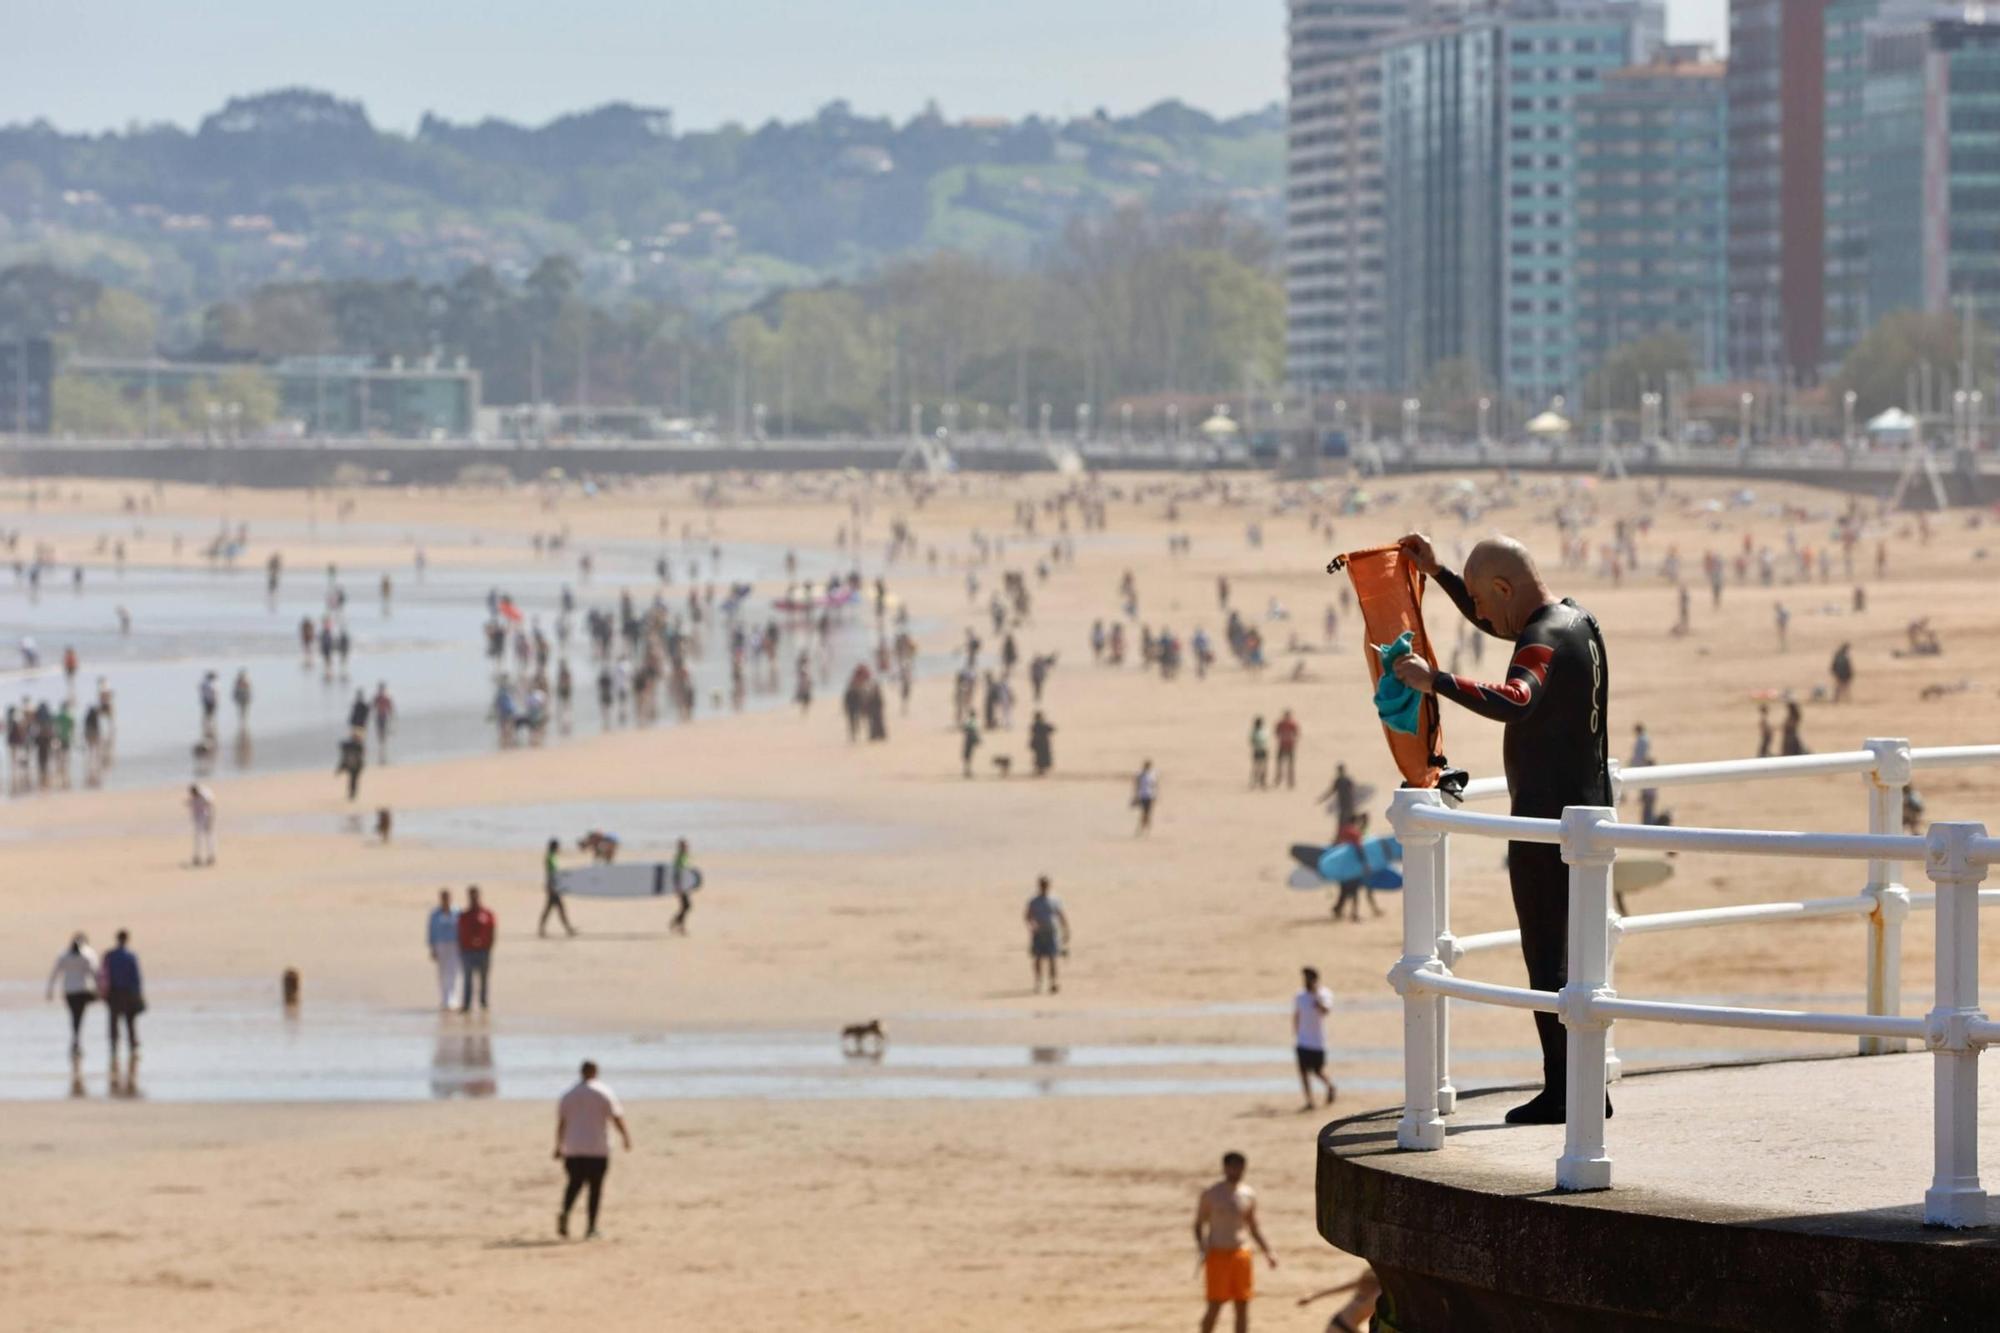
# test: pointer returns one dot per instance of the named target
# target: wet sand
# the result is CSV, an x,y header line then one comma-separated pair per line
x,y
889,887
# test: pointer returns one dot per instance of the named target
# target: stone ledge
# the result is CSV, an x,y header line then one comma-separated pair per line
x,y
1755,1197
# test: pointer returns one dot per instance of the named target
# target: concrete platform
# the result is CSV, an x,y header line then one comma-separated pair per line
x,y
1774,1196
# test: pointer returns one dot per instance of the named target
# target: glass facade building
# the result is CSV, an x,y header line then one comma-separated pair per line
x,y
1652,199
1333,208
1553,53
1931,220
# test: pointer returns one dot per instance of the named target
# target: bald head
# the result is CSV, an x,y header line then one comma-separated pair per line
x,y
1504,558
1506,587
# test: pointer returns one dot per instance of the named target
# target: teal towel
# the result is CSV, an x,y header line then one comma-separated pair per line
x,y
1396,702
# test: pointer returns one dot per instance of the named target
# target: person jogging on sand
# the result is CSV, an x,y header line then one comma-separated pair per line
x,y
1556,749
1225,1217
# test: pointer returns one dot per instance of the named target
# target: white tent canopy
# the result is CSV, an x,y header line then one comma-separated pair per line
x,y
1895,421
1549,423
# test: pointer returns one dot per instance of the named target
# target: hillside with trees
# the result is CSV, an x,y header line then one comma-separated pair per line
x,y
300,186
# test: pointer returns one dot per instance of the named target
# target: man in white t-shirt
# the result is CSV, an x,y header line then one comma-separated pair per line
x,y
1309,1010
584,1118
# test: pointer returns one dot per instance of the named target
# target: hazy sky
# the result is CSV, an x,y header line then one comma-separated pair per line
x,y
101,64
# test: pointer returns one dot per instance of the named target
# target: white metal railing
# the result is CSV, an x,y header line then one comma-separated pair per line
x,y
1955,857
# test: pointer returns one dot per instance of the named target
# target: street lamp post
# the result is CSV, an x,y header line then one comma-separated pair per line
x,y
1125,424
1485,421
1174,422
1847,421
1048,415
1412,409
1744,404
1082,421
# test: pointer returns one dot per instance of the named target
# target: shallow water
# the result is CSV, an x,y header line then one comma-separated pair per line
x,y
209,1043
426,644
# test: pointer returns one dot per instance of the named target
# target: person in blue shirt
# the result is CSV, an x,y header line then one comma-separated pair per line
x,y
441,934
123,992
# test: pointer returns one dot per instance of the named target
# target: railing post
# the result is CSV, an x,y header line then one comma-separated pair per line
x,y
1421,1127
1886,783
1955,1198
1614,932
1448,953
1584,1165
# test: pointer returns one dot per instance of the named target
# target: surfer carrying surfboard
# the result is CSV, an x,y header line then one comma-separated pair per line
x,y
1556,748
552,899
683,890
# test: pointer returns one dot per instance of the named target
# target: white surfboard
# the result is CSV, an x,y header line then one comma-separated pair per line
x,y
638,880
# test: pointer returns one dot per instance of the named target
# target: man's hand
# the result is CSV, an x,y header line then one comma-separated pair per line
x,y
1416,673
557,1154
1418,548
1270,1258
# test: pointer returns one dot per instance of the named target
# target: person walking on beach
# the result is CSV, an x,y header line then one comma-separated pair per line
x,y
1309,1010
240,693
383,710
1790,742
76,968
584,1118
1145,790
1225,1222
682,889
968,729
476,929
1048,934
123,990
441,934
552,901
1359,1309
1765,735
1260,754
1040,744
1341,792
1287,733
353,758
1842,669
201,812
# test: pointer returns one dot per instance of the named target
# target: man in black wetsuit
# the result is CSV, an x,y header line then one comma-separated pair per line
x,y
1556,747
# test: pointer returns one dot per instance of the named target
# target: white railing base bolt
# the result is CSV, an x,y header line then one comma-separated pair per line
x,y
1584,1164
1422,1126
1955,1198
1886,783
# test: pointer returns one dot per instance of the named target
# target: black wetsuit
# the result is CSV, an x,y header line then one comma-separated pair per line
x,y
1557,753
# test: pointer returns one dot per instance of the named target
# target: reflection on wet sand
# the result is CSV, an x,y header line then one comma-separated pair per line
x,y
462,1066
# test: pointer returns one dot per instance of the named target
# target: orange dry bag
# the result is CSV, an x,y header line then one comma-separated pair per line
x,y
1391,592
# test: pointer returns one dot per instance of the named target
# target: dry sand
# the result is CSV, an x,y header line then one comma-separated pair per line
x,y
1063,1213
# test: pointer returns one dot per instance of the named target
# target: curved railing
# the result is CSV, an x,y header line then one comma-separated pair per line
x,y
1955,857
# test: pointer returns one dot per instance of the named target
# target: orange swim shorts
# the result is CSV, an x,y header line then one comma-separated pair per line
x,y
1231,1275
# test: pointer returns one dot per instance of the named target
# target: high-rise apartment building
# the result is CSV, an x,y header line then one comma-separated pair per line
x,y
1554,52
1431,211
1777,174
1333,211
1652,229
1929,160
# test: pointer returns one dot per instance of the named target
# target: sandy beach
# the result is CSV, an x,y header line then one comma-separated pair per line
x,y
981,1186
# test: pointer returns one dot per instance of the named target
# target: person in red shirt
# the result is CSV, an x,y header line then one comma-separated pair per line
x,y
1287,732
476,929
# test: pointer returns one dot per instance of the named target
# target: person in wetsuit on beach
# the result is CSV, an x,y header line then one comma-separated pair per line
x,y
1556,749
